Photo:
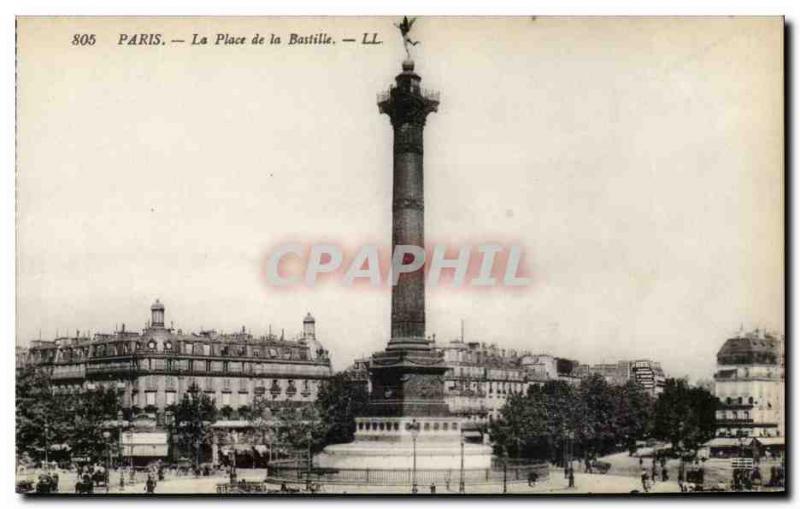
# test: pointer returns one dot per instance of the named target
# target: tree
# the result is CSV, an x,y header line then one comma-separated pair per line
x,y
339,402
634,410
522,426
260,418
194,416
684,415
91,409
45,419
593,419
42,417
565,411
597,426
301,427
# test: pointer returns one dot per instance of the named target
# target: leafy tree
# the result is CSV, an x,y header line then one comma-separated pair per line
x,y
42,417
194,416
260,418
339,402
522,425
300,427
45,418
565,411
684,415
593,419
634,410
597,427
91,409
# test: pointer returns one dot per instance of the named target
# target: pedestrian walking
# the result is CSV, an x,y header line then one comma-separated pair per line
x,y
150,484
644,480
571,477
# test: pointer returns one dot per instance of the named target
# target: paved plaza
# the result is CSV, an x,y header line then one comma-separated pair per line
x,y
555,484
624,478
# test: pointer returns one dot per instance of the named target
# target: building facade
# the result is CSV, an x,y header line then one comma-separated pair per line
x,y
749,384
480,377
645,372
152,369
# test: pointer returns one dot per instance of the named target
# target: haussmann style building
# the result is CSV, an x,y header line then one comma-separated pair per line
x,y
152,369
749,384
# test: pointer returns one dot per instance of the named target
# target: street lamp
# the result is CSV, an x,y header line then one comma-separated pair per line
x,y
461,473
308,465
505,469
46,443
169,419
107,437
414,428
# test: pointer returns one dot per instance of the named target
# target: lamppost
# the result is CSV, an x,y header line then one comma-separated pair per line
x,y
107,437
235,439
461,473
169,419
570,447
308,464
120,386
414,428
46,442
505,469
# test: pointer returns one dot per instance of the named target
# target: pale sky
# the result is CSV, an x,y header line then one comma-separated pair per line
x,y
638,162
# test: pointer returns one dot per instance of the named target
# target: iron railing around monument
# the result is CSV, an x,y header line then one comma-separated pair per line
x,y
294,471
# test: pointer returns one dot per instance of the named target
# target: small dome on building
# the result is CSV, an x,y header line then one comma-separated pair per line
x,y
309,318
157,305
408,64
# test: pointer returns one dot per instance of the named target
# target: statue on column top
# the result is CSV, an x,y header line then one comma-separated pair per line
x,y
405,28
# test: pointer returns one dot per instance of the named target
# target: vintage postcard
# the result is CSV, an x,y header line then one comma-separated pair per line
x,y
400,255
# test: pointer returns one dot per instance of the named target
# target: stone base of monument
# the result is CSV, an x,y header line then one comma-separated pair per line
x,y
393,443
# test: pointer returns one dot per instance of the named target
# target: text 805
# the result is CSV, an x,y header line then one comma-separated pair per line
x,y
83,40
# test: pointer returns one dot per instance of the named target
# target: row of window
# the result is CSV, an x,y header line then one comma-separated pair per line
x,y
189,348
230,399
733,414
478,372
233,399
491,387
205,366
227,384
740,401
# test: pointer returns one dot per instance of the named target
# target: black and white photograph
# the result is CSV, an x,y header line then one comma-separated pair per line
x,y
400,255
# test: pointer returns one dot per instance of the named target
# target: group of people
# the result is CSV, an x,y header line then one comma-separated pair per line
x,y
650,477
89,477
47,482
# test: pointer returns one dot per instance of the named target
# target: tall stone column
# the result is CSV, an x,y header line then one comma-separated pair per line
x,y
407,378
408,106
407,422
